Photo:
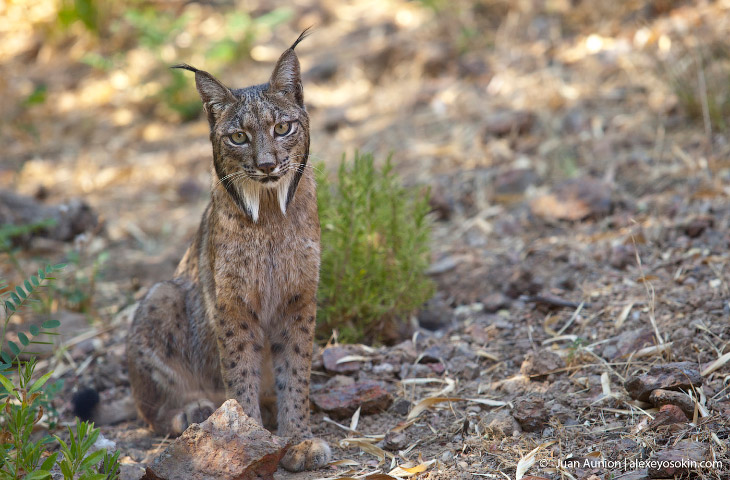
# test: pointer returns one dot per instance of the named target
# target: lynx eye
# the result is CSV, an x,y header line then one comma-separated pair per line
x,y
239,138
282,128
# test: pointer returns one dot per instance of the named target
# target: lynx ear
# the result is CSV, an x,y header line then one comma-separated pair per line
x,y
212,92
286,79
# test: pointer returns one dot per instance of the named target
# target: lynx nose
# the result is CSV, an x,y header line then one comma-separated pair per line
x,y
267,167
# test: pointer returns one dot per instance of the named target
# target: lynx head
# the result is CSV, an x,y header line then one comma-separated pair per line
x,y
260,134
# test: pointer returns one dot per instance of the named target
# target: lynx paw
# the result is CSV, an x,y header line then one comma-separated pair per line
x,y
307,455
194,412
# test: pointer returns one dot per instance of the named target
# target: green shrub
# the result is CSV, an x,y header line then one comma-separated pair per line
x,y
375,249
24,455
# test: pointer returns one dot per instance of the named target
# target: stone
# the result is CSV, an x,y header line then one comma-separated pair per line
x,y
229,444
574,200
661,397
395,441
501,423
500,124
401,407
495,302
530,413
342,401
331,355
671,376
628,342
677,461
538,365
668,415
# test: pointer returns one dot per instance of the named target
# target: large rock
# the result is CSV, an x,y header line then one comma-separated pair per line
x,y
677,461
342,401
671,376
228,445
530,413
538,365
660,397
332,355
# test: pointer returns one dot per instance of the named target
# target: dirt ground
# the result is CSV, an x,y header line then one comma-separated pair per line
x,y
578,159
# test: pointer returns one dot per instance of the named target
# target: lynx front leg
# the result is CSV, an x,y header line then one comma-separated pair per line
x,y
241,344
291,349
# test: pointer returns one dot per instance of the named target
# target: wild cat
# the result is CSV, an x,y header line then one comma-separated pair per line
x,y
243,299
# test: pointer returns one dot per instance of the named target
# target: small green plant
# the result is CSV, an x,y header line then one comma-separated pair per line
x,y
375,250
22,454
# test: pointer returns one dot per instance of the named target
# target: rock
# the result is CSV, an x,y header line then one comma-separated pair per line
x,y
530,413
506,122
522,282
676,461
401,407
436,353
339,381
697,226
228,444
629,342
538,365
395,441
501,423
495,301
574,200
671,376
668,415
408,370
331,355
514,182
660,398
341,402
61,222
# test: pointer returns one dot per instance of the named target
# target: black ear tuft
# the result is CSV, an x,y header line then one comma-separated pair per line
x,y
185,66
84,402
301,37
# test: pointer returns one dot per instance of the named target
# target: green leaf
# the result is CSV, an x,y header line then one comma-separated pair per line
x,y
5,367
14,348
6,357
59,266
66,470
96,476
41,274
9,305
21,292
23,339
15,298
51,324
38,475
34,281
49,462
7,384
93,458
40,382
28,286
34,330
